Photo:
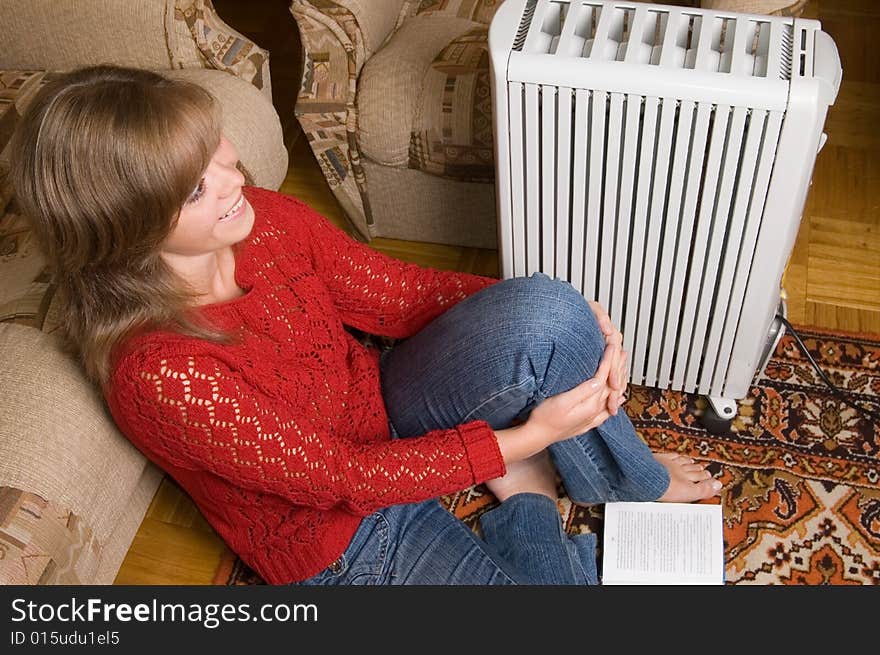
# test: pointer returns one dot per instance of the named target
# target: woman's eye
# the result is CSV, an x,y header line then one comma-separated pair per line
x,y
197,192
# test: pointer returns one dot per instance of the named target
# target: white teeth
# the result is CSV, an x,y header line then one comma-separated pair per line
x,y
234,208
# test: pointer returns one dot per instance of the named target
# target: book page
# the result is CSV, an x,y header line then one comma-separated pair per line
x,y
663,543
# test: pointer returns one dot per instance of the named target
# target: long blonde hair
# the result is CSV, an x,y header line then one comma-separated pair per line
x,y
103,160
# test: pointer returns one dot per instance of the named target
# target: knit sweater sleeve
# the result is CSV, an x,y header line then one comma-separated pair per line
x,y
194,412
374,292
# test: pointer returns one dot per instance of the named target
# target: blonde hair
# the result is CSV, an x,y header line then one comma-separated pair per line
x,y
103,160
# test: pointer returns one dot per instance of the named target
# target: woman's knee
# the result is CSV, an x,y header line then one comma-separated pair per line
x,y
553,307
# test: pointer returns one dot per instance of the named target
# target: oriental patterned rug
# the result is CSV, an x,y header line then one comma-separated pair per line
x,y
801,469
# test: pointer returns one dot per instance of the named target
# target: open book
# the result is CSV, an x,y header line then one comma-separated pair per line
x,y
662,543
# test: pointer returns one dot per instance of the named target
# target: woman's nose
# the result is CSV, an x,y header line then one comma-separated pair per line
x,y
230,179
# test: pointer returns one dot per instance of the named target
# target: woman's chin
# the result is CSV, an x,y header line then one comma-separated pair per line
x,y
239,226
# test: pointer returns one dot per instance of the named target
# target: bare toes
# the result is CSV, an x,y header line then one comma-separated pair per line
x,y
688,482
708,488
697,476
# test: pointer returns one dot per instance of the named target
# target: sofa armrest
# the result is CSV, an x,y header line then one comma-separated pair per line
x,y
153,34
338,37
61,453
220,46
346,26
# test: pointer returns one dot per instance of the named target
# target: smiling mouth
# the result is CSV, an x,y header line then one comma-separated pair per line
x,y
234,209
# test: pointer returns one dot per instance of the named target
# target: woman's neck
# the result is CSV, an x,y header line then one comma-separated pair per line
x,y
211,275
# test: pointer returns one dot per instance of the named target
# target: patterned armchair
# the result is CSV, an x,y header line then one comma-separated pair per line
x,y
396,104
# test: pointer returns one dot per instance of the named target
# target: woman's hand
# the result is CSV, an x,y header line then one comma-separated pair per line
x,y
575,411
617,378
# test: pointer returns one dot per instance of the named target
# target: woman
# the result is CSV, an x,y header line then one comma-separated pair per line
x,y
212,316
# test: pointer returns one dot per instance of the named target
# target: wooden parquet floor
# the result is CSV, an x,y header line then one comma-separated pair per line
x,y
833,277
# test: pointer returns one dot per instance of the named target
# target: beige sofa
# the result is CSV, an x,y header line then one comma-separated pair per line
x,y
396,104
73,491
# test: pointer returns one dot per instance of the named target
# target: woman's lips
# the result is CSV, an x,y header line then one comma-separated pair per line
x,y
234,211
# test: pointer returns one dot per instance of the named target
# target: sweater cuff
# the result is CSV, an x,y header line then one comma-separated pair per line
x,y
481,446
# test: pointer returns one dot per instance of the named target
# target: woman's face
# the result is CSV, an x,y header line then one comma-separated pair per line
x,y
216,214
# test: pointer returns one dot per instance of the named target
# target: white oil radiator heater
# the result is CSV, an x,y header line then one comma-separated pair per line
x,y
658,158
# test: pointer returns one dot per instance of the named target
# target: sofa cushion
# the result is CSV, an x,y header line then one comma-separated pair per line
x,y
452,129
374,22
432,115
136,35
391,83
43,543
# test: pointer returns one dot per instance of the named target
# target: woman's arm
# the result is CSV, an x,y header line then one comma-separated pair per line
x,y
373,292
194,412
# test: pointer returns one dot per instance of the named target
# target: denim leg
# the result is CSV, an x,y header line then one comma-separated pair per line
x,y
496,355
431,546
527,532
423,544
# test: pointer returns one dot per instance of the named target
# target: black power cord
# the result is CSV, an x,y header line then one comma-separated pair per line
x,y
864,411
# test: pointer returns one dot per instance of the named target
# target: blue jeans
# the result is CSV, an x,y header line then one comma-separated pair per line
x,y
494,357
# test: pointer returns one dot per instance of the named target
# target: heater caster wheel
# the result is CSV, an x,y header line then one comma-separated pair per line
x,y
718,416
714,423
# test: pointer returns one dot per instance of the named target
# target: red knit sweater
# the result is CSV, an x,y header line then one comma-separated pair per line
x,y
282,438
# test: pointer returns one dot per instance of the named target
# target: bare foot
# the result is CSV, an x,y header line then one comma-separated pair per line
x,y
688,480
533,475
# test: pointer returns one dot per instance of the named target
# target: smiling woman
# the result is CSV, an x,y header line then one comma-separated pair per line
x,y
102,208
213,316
